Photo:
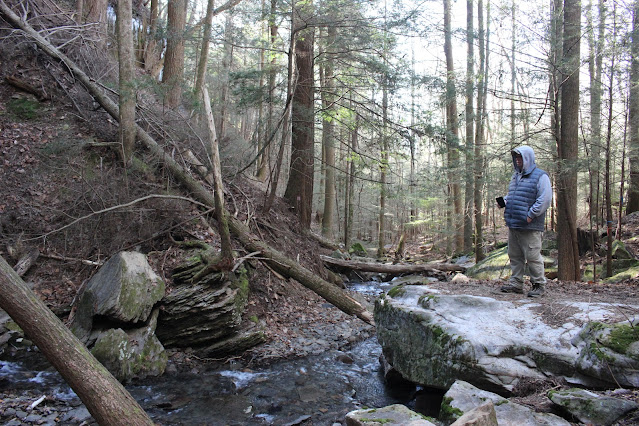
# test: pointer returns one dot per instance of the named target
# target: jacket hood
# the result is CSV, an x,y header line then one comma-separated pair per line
x,y
528,155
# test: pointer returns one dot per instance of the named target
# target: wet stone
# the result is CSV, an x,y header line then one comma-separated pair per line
x,y
33,418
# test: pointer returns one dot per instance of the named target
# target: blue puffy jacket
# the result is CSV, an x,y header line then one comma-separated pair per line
x,y
529,194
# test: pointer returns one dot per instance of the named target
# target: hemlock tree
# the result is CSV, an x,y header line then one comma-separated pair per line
x,y
299,190
470,129
174,56
452,135
633,155
567,147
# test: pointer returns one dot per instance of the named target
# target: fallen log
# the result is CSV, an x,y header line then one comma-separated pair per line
x,y
106,399
276,260
397,269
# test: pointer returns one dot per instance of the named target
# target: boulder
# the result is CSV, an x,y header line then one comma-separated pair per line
x,y
391,415
484,415
131,354
124,290
463,398
610,351
497,266
460,279
619,250
591,408
434,339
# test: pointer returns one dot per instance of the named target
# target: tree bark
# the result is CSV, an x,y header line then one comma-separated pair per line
x,y
470,129
274,258
204,50
633,152
452,134
96,13
328,137
126,79
212,147
567,149
482,87
174,57
395,269
106,399
299,190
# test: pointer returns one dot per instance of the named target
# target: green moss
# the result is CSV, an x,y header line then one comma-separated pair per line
x,y
253,318
23,108
425,300
502,402
447,411
397,291
620,337
380,421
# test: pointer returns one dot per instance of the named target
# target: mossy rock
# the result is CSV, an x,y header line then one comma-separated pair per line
x,y
619,250
497,266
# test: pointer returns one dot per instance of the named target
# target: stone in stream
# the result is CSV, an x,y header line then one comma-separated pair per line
x,y
591,408
392,415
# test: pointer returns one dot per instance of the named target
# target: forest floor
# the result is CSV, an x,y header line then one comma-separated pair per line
x,y
57,166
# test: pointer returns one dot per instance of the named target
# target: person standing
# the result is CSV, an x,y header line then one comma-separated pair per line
x,y
529,196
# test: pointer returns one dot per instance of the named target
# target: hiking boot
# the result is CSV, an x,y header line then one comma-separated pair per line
x,y
512,288
537,290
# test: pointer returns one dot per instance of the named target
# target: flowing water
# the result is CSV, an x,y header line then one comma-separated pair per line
x,y
322,388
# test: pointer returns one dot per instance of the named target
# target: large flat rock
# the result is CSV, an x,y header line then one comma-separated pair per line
x,y
433,339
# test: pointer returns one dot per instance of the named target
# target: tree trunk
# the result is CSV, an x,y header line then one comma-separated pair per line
x,y
299,190
452,135
383,169
265,159
608,140
212,147
350,185
513,75
227,64
482,87
470,130
328,137
151,51
106,399
633,152
96,13
275,259
204,50
174,57
567,149
126,79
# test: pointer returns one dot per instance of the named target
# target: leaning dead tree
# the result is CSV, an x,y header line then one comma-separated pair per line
x,y
106,399
273,258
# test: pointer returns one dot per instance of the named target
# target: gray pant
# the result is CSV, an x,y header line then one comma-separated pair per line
x,y
525,247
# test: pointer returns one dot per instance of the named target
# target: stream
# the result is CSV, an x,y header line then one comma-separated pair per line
x,y
320,388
